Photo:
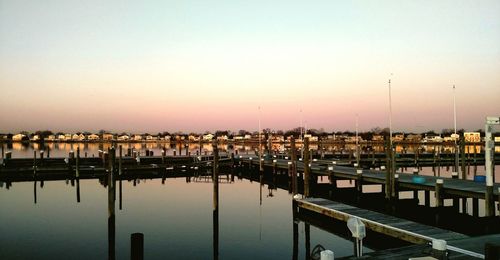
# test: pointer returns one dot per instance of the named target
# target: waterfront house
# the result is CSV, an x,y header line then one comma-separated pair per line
x,y
136,137
67,137
430,138
238,138
208,137
193,138
377,138
472,137
35,138
92,137
78,137
61,137
248,137
50,138
414,138
311,137
150,138
398,137
222,138
18,137
107,137
123,138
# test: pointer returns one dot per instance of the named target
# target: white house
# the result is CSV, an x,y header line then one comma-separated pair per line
x,y
208,137
123,138
18,137
92,137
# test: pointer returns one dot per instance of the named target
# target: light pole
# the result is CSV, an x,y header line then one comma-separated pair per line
x,y
357,142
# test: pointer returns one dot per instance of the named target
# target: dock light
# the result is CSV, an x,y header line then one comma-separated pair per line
x,y
359,171
309,165
356,165
334,162
396,176
199,158
330,168
289,163
241,156
300,159
274,156
315,160
286,157
250,158
274,161
262,159
439,181
454,174
415,170
382,167
358,230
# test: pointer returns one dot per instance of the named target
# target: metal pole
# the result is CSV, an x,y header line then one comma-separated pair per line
x,y
260,146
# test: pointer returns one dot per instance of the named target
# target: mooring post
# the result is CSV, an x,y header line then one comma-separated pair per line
x,y
78,190
388,170
415,192
396,186
427,198
48,152
462,156
359,181
307,170
41,157
111,215
137,246
216,177
120,161
77,162
163,153
438,192
34,162
307,231
439,249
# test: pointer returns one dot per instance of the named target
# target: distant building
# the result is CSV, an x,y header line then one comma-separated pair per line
x,y
61,137
78,137
311,137
137,137
472,137
222,138
377,138
51,138
414,137
92,137
430,138
398,137
35,138
18,137
208,137
150,138
107,137
123,138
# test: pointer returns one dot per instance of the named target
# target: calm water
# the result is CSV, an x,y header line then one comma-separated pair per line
x,y
176,219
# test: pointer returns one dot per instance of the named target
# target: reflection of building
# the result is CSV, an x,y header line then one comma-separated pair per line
x,y
473,137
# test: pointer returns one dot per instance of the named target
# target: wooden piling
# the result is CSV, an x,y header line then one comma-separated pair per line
x,y
77,163
438,192
120,170
388,170
396,186
489,202
475,207
216,177
34,163
306,167
427,198
415,192
137,246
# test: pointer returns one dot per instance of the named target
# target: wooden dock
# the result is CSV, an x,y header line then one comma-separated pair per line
x,y
459,246
446,188
392,226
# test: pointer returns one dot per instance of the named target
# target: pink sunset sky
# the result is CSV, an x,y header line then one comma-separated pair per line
x,y
195,66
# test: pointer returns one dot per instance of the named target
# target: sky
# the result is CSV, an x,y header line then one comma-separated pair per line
x,y
194,66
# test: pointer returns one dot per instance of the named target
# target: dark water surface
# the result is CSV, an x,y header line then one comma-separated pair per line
x,y
176,219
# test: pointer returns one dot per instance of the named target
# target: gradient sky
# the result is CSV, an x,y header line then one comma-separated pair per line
x,y
207,65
